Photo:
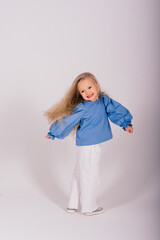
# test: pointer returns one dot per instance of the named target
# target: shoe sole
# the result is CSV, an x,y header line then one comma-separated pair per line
x,y
71,210
93,213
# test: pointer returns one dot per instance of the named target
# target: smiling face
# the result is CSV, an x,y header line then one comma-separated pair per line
x,y
88,89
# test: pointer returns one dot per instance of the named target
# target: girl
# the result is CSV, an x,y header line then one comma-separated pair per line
x,y
85,109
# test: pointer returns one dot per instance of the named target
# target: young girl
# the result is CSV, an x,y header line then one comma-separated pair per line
x,y
85,109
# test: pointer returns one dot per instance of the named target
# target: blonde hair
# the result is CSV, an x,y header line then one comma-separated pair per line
x,y
71,99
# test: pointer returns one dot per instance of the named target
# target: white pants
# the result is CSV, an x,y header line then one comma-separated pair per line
x,y
85,181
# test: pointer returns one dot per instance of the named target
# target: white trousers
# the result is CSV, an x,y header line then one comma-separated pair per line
x,y
85,180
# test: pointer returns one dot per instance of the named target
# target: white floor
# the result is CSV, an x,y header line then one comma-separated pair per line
x,y
31,214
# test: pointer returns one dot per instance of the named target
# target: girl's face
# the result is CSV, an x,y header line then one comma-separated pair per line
x,y
88,89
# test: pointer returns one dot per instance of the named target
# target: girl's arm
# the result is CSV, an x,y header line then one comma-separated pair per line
x,y
118,114
60,129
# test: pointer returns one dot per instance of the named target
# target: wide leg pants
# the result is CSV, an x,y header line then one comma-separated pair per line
x,y
86,179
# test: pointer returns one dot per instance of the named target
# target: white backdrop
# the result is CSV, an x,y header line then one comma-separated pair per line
x,y
44,45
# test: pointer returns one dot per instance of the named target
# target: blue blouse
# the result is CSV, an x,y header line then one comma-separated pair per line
x,y
94,126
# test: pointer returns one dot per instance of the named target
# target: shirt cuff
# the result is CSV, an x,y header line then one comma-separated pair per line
x,y
52,136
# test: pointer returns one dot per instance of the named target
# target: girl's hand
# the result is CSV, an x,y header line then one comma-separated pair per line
x,y
47,136
129,129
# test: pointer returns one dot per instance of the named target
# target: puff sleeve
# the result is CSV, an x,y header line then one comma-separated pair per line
x,y
61,128
117,113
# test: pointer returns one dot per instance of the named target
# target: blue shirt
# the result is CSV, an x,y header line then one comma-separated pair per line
x,y
94,126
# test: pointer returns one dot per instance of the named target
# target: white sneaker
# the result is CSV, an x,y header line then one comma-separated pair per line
x,y
95,212
71,210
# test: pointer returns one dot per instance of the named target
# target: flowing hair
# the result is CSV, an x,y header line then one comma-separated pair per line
x,y
71,99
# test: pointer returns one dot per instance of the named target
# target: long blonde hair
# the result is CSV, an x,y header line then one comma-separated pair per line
x,y
71,99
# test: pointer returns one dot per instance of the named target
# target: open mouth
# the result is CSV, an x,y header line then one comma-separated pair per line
x,y
89,96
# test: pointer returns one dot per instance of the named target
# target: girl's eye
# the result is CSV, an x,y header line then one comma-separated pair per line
x,y
90,87
82,91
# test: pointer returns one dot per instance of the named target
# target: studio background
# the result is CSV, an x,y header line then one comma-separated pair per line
x,y
44,45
